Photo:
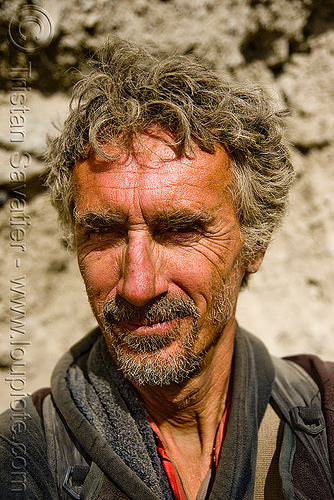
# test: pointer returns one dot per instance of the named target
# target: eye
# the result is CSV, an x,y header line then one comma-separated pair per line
x,y
178,235
102,230
103,234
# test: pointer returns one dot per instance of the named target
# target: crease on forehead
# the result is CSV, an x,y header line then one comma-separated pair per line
x,y
191,189
186,174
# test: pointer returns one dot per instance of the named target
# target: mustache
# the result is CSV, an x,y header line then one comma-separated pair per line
x,y
165,308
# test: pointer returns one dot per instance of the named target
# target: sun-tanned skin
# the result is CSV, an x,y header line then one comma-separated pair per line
x,y
148,225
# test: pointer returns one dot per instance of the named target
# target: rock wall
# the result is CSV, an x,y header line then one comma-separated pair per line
x,y
286,45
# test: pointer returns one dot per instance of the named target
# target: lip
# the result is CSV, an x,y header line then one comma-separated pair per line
x,y
150,328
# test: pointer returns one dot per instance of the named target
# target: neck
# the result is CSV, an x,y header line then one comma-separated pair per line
x,y
188,416
199,397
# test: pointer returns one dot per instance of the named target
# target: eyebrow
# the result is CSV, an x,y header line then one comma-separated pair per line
x,y
175,218
181,217
100,218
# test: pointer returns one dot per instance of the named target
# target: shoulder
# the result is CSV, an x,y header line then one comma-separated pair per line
x,y
303,395
322,372
24,469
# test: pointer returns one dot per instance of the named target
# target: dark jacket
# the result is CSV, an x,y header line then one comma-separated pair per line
x,y
39,441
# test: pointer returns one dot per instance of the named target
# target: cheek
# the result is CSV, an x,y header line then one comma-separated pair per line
x,y
201,273
99,271
192,272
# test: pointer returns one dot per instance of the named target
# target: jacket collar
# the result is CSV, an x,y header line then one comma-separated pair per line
x,y
253,376
252,381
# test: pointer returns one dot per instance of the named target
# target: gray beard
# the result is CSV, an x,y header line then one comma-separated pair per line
x,y
146,365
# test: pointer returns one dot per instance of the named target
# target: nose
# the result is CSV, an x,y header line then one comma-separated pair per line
x,y
141,278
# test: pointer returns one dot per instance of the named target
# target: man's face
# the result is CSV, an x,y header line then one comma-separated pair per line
x,y
159,247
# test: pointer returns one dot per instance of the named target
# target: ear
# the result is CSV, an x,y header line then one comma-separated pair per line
x,y
254,264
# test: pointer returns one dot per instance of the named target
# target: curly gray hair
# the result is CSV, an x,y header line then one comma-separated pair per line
x,y
128,89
